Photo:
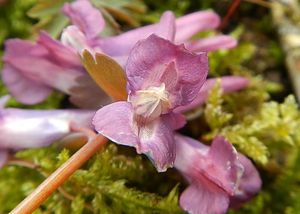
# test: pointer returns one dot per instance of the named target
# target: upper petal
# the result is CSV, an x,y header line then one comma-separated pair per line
x,y
37,69
122,44
227,169
211,43
151,59
166,26
189,25
204,198
58,52
87,18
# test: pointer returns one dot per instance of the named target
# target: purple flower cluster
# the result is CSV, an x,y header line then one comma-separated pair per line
x,y
166,76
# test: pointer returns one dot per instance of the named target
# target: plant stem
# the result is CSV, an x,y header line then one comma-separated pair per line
x,y
57,178
230,12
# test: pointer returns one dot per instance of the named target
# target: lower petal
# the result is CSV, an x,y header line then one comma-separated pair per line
x,y
155,138
23,89
115,121
157,142
204,198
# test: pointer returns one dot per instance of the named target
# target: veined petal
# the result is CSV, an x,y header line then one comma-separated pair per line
x,y
219,163
36,69
189,25
228,84
157,142
122,44
227,169
60,53
249,184
166,26
155,139
21,128
177,120
216,175
204,198
153,57
87,18
115,122
23,89
15,48
211,43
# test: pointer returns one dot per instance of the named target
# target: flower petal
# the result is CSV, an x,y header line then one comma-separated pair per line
x,y
151,58
211,44
21,128
155,139
23,89
122,44
250,183
189,25
219,163
157,142
166,26
115,121
61,54
227,169
87,18
205,198
36,70
228,84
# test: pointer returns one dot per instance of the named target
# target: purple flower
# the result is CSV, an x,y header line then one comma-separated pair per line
x,y
161,77
219,177
21,129
179,30
50,64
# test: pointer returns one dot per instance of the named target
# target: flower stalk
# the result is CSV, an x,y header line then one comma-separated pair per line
x,y
57,178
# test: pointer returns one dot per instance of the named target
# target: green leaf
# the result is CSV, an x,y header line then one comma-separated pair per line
x,y
214,114
107,73
124,10
48,12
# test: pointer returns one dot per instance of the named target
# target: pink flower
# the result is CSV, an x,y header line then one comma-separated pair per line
x,y
32,70
179,31
50,64
219,177
161,77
